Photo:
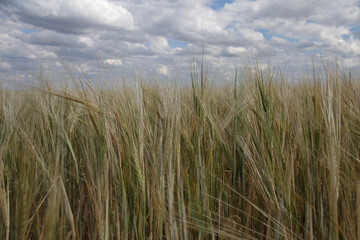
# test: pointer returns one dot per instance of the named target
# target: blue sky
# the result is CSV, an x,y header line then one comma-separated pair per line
x,y
217,5
266,33
162,35
29,31
176,43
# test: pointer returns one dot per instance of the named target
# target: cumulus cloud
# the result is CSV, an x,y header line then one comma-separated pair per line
x,y
159,44
152,35
163,70
74,16
5,65
52,38
113,62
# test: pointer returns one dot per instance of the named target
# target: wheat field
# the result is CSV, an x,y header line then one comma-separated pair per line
x,y
261,158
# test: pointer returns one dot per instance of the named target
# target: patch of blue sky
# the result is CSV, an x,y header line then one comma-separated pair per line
x,y
266,33
29,31
2,16
292,40
355,30
355,27
176,43
230,26
314,51
219,4
312,40
310,21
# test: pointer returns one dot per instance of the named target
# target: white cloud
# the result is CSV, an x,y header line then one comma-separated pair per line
x,y
279,41
100,12
14,46
352,62
113,62
249,34
88,41
159,44
233,51
163,70
5,65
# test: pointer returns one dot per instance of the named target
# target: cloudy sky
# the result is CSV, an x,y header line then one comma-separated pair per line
x,y
161,36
